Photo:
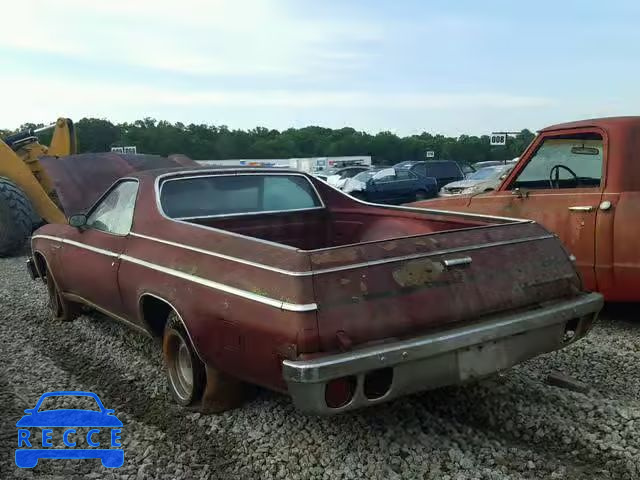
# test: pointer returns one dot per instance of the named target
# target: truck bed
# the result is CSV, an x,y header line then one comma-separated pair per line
x,y
381,272
318,229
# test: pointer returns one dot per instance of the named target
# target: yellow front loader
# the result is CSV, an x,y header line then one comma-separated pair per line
x,y
27,195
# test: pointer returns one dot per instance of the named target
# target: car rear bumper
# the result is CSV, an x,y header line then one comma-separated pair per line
x,y
442,358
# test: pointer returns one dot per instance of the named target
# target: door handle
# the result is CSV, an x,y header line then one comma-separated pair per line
x,y
582,209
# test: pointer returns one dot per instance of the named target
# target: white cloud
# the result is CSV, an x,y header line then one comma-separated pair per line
x,y
205,37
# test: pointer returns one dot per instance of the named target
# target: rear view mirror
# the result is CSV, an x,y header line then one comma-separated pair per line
x,y
78,221
585,150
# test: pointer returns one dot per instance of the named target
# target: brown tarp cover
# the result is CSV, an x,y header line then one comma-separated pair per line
x,y
81,179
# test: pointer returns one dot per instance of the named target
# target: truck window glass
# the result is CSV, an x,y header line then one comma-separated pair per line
x,y
577,163
209,196
114,213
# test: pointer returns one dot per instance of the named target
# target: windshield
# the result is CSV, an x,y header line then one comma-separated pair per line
x,y
487,173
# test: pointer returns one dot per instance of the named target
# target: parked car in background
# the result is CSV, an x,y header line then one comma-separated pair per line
x,y
444,171
390,185
484,180
277,279
339,176
467,169
581,180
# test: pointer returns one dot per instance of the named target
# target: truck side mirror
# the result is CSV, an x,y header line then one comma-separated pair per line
x,y
78,221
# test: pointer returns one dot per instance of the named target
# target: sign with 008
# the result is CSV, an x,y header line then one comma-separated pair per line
x,y
498,139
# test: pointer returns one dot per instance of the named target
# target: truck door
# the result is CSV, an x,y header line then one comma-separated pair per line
x,y
559,186
92,254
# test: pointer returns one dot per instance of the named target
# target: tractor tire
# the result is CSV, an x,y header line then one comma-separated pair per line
x,y
16,218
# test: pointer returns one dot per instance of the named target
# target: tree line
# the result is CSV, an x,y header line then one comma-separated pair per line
x,y
211,142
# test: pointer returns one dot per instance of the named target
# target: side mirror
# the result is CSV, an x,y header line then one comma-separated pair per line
x,y
78,221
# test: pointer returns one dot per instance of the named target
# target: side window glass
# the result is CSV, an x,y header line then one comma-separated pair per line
x,y
404,175
114,214
386,177
563,163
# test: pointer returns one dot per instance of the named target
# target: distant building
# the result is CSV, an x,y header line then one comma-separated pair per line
x,y
309,164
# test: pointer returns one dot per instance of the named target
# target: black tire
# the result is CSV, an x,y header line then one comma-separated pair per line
x,y
421,195
185,371
207,389
60,309
16,218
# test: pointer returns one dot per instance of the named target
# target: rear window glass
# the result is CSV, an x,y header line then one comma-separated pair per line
x,y
235,195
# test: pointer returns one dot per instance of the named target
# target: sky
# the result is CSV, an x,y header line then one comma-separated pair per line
x,y
405,66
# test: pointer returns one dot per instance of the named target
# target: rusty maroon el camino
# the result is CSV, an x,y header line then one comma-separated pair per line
x,y
275,278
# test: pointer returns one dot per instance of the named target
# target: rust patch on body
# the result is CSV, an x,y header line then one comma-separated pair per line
x,y
418,272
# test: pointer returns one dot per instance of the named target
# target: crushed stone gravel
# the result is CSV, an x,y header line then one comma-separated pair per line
x,y
515,426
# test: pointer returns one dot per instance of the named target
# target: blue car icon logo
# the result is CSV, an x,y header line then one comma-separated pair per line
x,y
31,448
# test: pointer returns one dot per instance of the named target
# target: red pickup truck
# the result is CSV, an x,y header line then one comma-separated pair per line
x,y
277,279
580,180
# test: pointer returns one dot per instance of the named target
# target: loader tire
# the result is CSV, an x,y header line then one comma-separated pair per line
x,y
16,218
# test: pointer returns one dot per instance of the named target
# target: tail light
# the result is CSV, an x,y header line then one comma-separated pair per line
x,y
340,391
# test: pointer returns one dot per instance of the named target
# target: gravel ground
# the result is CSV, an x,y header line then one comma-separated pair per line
x,y
511,427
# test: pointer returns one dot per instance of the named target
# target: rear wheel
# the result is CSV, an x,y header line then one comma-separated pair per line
x,y
16,218
190,381
60,309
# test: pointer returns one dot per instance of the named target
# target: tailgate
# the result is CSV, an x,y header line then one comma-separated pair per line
x,y
401,287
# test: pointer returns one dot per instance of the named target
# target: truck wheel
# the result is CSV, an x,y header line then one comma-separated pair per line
x,y
190,381
60,309
16,218
185,372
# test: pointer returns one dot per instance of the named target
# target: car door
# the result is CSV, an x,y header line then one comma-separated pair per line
x,y
92,252
407,185
386,187
559,185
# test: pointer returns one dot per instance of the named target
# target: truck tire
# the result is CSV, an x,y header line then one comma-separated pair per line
x,y
60,309
16,218
193,384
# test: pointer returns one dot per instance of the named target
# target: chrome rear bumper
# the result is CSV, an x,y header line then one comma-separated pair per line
x,y
446,357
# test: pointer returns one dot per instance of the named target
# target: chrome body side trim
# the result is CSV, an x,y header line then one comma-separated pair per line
x,y
433,360
78,299
282,305
345,267
223,256
292,307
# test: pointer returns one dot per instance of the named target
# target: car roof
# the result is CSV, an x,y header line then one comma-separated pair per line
x,y
606,123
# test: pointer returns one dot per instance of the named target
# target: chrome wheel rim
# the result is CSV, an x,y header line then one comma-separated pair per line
x,y
181,369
